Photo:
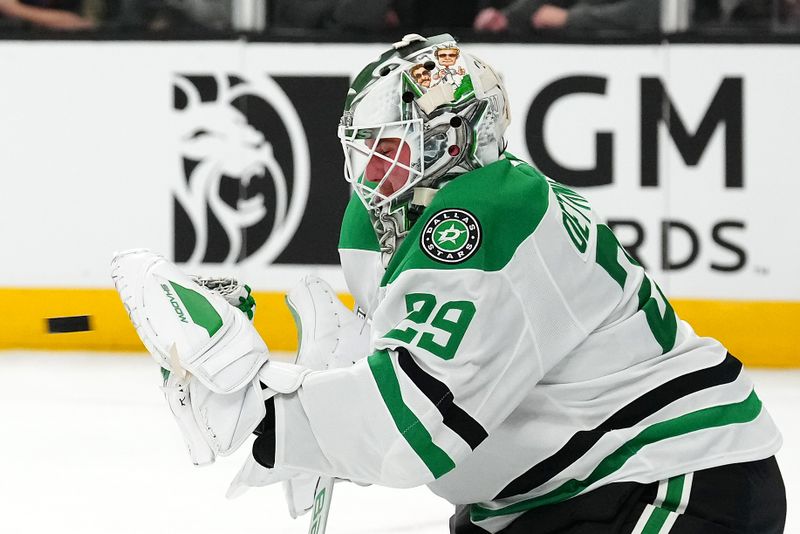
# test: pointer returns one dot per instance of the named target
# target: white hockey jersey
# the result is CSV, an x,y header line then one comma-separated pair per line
x,y
521,358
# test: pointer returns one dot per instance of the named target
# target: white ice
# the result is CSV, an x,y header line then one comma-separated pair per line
x,y
87,447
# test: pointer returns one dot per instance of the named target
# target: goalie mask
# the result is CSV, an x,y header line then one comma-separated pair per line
x,y
421,114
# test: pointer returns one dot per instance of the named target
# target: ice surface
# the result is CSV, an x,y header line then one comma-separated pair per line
x,y
88,447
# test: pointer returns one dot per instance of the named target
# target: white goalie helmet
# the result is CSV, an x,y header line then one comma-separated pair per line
x,y
420,114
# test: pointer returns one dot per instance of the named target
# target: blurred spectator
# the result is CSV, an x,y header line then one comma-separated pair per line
x,y
792,12
444,14
371,15
707,11
159,15
212,14
378,15
762,14
640,15
758,12
53,14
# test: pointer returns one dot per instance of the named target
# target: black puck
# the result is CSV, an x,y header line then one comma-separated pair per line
x,y
65,325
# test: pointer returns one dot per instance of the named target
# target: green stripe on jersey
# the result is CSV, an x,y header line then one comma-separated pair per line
x,y
656,521
715,416
508,201
674,493
411,428
357,231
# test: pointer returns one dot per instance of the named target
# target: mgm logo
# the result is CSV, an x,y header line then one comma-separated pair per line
x,y
245,169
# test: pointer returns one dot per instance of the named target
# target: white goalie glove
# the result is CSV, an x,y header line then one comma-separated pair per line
x,y
186,326
209,350
330,336
217,376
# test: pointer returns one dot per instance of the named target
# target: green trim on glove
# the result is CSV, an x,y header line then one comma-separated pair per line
x,y
246,304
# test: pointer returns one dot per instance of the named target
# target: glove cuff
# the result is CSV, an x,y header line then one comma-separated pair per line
x,y
282,377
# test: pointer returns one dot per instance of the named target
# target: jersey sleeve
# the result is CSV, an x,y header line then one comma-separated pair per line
x,y
439,381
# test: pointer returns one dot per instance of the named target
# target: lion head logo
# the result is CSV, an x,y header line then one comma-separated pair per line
x,y
245,170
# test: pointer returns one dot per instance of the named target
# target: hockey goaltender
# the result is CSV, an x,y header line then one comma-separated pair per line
x,y
505,350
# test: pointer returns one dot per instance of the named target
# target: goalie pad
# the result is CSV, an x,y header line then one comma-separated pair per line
x,y
330,336
212,340
298,487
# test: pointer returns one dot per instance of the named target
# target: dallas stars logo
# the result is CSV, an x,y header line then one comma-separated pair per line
x,y
451,236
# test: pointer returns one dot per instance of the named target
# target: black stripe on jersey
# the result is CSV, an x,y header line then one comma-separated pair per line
x,y
440,395
646,405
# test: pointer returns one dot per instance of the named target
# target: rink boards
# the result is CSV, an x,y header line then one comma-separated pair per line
x,y
763,334
223,156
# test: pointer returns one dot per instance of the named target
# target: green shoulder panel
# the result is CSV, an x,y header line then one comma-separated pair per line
x,y
477,221
357,231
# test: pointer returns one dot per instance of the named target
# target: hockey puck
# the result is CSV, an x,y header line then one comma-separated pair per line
x,y
65,325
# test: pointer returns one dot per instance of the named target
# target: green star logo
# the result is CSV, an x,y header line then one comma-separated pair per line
x,y
451,236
